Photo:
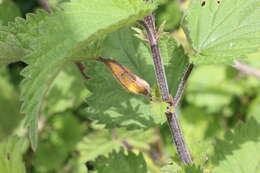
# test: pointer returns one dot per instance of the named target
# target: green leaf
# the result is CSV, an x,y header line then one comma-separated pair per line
x,y
96,144
57,142
171,168
221,31
8,11
125,109
158,110
175,60
207,127
66,95
234,153
170,12
210,88
9,105
11,151
10,48
174,168
192,169
25,30
64,33
16,37
104,142
253,110
120,162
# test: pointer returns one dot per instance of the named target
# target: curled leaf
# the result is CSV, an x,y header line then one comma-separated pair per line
x,y
126,77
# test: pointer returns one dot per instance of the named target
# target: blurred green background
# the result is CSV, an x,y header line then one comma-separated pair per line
x,y
215,100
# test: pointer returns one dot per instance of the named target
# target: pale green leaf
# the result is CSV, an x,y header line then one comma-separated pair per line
x,y
207,127
221,31
175,60
253,110
64,33
158,110
11,151
66,95
171,168
120,162
10,48
57,142
209,87
16,37
175,168
97,144
239,151
104,142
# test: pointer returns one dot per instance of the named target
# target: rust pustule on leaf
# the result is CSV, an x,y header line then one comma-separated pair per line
x,y
126,77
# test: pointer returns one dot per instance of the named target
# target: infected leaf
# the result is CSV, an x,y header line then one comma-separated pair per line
x,y
126,77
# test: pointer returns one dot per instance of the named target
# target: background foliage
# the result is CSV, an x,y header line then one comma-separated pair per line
x,y
96,126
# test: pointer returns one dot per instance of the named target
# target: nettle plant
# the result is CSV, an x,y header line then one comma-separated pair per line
x,y
92,49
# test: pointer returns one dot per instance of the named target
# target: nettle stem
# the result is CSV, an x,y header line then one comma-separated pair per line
x,y
181,86
158,64
149,24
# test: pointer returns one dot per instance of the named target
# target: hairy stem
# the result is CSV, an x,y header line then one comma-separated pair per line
x,y
149,24
158,64
181,87
178,137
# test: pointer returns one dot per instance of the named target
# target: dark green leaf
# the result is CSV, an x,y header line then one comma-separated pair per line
x,y
8,11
